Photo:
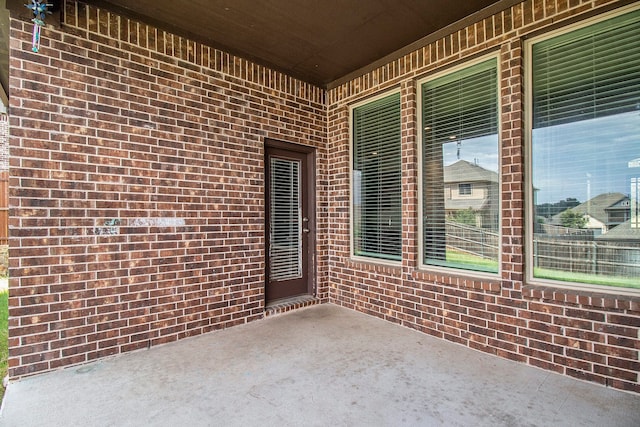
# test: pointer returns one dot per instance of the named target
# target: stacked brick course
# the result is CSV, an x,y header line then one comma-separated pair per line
x,y
138,211
4,142
578,333
137,207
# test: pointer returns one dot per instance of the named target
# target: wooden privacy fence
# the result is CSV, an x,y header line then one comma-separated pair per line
x,y
565,232
587,257
4,208
561,253
472,240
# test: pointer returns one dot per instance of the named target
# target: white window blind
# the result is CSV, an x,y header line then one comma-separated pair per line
x,y
588,73
462,105
460,153
377,179
285,257
585,141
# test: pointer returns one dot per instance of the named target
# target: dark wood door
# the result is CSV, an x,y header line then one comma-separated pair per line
x,y
290,222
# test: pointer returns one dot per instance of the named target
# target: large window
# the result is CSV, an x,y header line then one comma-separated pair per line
x,y
460,169
377,179
584,102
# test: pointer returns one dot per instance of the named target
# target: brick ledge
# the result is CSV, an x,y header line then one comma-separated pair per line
x,y
583,297
288,304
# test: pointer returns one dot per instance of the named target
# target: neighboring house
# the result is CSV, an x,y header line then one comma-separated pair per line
x,y
602,212
622,233
470,186
618,213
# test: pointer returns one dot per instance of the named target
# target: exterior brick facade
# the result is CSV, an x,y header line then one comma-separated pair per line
x,y
137,208
136,187
582,334
4,143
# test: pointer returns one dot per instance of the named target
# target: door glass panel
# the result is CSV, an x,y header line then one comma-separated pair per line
x,y
285,256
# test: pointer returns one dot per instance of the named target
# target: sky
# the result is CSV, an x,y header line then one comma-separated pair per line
x,y
577,160
586,158
482,151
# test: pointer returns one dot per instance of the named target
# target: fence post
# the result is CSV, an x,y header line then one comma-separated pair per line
x,y
594,258
535,253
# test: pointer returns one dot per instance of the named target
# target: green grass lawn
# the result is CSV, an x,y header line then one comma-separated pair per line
x,y
477,263
457,259
594,279
4,333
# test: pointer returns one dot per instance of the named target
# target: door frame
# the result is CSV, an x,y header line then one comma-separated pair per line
x,y
310,206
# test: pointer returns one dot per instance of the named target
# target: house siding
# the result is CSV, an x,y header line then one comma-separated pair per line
x,y
136,187
588,335
137,208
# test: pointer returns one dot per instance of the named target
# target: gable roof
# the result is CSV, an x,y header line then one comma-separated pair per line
x,y
463,171
595,207
622,204
621,232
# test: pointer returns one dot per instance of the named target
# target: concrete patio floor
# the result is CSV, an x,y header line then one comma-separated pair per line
x,y
319,366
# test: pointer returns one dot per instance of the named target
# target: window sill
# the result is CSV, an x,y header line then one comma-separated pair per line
x,y
462,279
615,298
379,266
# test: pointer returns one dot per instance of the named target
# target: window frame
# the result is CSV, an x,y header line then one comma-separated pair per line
x,y
420,208
352,252
529,211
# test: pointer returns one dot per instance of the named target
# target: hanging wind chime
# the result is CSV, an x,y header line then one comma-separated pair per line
x,y
40,10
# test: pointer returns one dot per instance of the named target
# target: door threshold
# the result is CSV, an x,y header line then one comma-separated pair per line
x,y
284,305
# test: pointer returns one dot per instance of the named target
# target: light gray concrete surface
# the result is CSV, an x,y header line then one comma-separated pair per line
x,y
319,366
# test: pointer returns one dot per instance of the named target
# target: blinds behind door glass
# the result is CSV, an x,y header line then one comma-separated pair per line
x,y
285,257
377,179
589,73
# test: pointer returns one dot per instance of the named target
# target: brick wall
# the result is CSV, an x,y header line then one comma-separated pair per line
x,y
587,335
137,215
136,187
4,193
4,142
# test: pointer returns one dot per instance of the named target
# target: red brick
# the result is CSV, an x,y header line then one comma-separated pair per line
x,y
106,272
151,130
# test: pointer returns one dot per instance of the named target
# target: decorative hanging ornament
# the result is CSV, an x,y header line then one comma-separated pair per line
x,y
40,11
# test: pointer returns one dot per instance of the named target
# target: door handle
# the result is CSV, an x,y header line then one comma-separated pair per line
x,y
305,230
